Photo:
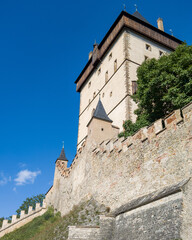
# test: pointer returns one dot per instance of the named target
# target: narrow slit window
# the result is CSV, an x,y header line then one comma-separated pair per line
x,y
110,56
106,77
89,84
111,93
148,47
115,65
146,58
134,87
161,53
94,94
99,71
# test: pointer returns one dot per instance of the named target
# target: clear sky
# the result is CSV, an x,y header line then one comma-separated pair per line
x,y
44,45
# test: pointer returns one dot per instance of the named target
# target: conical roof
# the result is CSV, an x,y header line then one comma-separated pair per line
x,y
100,113
139,16
62,155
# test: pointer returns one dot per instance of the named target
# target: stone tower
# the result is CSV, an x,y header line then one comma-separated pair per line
x,y
100,126
111,68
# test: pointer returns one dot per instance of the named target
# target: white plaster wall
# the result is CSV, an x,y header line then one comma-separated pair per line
x,y
117,81
116,85
137,51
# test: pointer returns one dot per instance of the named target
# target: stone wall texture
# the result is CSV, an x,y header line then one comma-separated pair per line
x,y
134,177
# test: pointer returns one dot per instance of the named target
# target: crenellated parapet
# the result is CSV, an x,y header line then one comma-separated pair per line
x,y
23,219
144,135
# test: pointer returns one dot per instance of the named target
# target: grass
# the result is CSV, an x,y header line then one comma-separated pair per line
x,y
51,226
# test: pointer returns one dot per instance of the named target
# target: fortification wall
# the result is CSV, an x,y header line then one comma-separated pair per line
x,y
120,170
24,218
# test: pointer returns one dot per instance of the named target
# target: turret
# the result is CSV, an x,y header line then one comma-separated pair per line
x,y
62,160
60,167
100,126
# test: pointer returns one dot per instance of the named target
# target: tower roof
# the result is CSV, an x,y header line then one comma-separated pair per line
x,y
139,16
136,23
62,155
100,113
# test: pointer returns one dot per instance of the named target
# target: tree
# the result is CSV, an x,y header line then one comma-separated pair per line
x,y
163,86
1,221
30,202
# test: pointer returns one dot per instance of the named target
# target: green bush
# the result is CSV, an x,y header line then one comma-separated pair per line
x,y
164,84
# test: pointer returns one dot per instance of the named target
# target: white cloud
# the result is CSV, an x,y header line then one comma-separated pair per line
x,y
4,180
26,177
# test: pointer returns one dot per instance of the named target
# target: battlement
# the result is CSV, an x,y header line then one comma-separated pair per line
x,y
23,219
146,134
124,173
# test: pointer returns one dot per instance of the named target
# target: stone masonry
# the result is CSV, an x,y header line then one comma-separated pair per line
x,y
144,179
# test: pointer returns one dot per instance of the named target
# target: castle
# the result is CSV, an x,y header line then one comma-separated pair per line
x,y
145,179
111,69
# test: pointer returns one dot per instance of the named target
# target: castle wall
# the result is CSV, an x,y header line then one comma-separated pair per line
x,y
119,171
158,220
24,219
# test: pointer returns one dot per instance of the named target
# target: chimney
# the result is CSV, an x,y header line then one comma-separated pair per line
x,y
160,24
90,54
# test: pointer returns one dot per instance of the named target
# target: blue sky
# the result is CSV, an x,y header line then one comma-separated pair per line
x,y
43,47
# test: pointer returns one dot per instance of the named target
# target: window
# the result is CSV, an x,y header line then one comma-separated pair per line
x,y
110,56
103,95
94,94
161,53
111,93
99,71
134,87
102,129
148,47
115,65
106,76
93,111
89,84
146,58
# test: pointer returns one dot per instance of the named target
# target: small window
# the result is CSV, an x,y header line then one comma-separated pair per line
x,y
89,84
103,95
102,129
110,56
161,53
99,71
146,58
115,65
106,77
134,87
111,93
148,47
94,94
93,111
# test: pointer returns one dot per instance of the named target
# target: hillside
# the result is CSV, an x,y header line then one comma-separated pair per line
x,y
52,226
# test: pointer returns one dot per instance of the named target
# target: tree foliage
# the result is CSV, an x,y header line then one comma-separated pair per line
x,y
1,221
30,202
164,84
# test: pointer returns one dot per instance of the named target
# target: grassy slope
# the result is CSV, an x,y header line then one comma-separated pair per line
x,y
50,226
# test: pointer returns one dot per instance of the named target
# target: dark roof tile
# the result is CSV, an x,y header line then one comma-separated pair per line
x,y
139,16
